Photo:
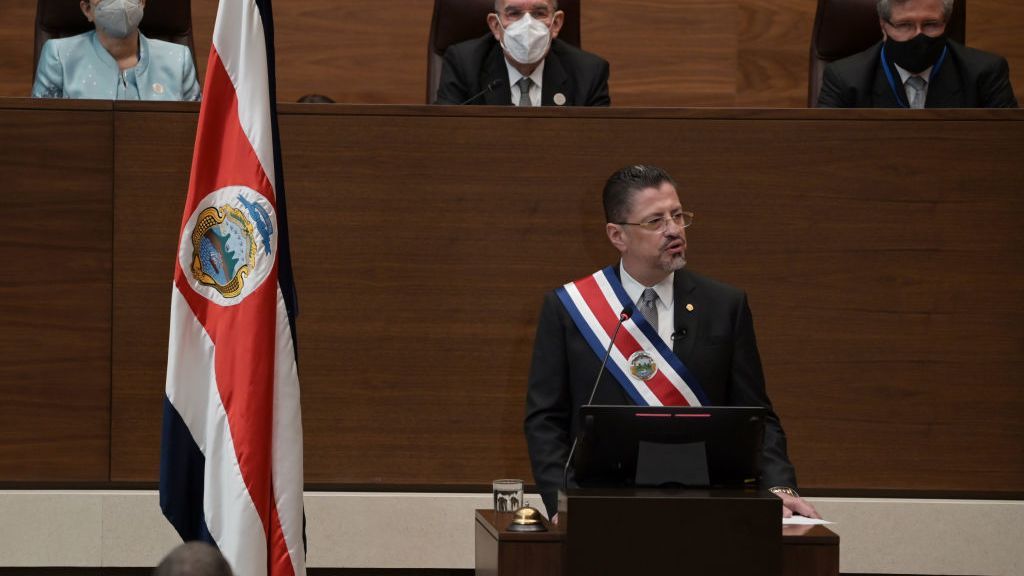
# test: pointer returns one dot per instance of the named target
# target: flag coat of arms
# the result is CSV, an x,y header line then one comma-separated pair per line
x,y
231,459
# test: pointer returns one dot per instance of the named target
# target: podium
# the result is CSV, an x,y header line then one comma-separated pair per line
x,y
650,531
604,533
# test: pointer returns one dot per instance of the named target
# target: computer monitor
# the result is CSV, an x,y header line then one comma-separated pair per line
x,y
716,446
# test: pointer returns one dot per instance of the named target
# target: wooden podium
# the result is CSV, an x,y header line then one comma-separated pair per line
x,y
604,545
649,531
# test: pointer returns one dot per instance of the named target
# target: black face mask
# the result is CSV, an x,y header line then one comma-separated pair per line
x,y
916,54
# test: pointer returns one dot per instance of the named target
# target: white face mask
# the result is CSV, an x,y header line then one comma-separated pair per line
x,y
117,18
526,40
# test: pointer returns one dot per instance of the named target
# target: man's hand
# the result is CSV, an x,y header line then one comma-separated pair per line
x,y
792,503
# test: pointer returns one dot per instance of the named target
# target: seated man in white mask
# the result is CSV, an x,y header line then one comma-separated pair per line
x,y
115,61
522,62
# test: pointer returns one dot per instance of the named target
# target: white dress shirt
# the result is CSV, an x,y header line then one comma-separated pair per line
x,y
666,301
535,89
904,74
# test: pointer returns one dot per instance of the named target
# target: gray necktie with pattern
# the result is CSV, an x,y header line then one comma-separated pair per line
x,y
524,91
649,307
917,84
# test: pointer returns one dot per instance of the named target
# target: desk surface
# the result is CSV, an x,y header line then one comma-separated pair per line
x,y
496,524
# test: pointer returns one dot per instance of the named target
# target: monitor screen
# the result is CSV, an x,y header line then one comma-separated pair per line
x,y
717,446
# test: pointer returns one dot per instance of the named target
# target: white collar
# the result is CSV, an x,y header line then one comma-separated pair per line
x,y
514,75
904,74
634,288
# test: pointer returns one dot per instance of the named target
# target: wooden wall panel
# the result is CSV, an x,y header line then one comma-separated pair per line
x,y
55,292
747,53
666,52
773,40
993,25
153,156
886,310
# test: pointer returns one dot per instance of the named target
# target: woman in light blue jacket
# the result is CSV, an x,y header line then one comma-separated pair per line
x,y
115,61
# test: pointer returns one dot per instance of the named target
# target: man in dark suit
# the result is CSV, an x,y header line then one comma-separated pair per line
x,y
681,317
523,62
916,66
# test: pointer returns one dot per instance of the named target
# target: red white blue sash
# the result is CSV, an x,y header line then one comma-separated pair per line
x,y
641,361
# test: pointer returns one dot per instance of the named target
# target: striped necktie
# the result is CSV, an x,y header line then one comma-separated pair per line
x,y
649,307
917,85
524,91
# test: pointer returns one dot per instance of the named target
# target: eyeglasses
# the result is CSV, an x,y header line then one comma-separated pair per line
x,y
930,28
659,223
540,13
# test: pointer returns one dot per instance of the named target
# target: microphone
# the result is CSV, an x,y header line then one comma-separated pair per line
x,y
491,87
623,316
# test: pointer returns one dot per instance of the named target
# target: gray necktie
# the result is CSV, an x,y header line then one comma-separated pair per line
x,y
524,91
649,307
917,84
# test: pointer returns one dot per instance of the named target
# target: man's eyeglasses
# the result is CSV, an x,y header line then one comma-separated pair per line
x,y
659,223
541,13
930,28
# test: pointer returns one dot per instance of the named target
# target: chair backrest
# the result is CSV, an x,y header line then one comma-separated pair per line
x,y
457,20
169,20
844,27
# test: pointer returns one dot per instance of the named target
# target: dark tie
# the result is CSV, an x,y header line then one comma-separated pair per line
x,y
649,307
917,85
524,91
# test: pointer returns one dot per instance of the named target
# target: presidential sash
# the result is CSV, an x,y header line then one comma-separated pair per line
x,y
640,360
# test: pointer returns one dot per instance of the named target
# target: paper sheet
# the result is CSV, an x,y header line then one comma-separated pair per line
x,y
802,521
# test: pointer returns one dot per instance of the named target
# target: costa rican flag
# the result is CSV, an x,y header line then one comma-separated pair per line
x,y
231,460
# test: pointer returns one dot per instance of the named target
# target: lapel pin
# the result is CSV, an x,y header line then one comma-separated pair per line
x,y
158,88
559,99
689,307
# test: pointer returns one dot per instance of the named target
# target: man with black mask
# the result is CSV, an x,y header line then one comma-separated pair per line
x,y
916,66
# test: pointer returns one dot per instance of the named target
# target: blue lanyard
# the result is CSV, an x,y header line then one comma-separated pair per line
x,y
897,90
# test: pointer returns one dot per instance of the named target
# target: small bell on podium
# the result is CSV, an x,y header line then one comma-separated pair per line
x,y
527,519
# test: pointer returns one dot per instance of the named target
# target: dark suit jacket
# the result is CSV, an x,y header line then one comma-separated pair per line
x,y
967,79
715,341
470,66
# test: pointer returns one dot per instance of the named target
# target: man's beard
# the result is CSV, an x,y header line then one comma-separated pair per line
x,y
675,262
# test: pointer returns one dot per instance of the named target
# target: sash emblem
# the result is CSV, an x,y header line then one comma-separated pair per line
x,y
642,365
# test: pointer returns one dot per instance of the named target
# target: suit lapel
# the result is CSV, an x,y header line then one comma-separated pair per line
x,y
944,88
555,82
496,70
686,321
883,96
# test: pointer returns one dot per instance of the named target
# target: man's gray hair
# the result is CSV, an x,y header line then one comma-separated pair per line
x,y
885,8
497,5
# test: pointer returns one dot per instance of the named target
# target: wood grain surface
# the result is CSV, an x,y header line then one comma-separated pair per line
x,y
153,155
883,286
721,53
55,291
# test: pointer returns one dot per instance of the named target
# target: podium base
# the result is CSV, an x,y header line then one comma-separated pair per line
x,y
651,531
